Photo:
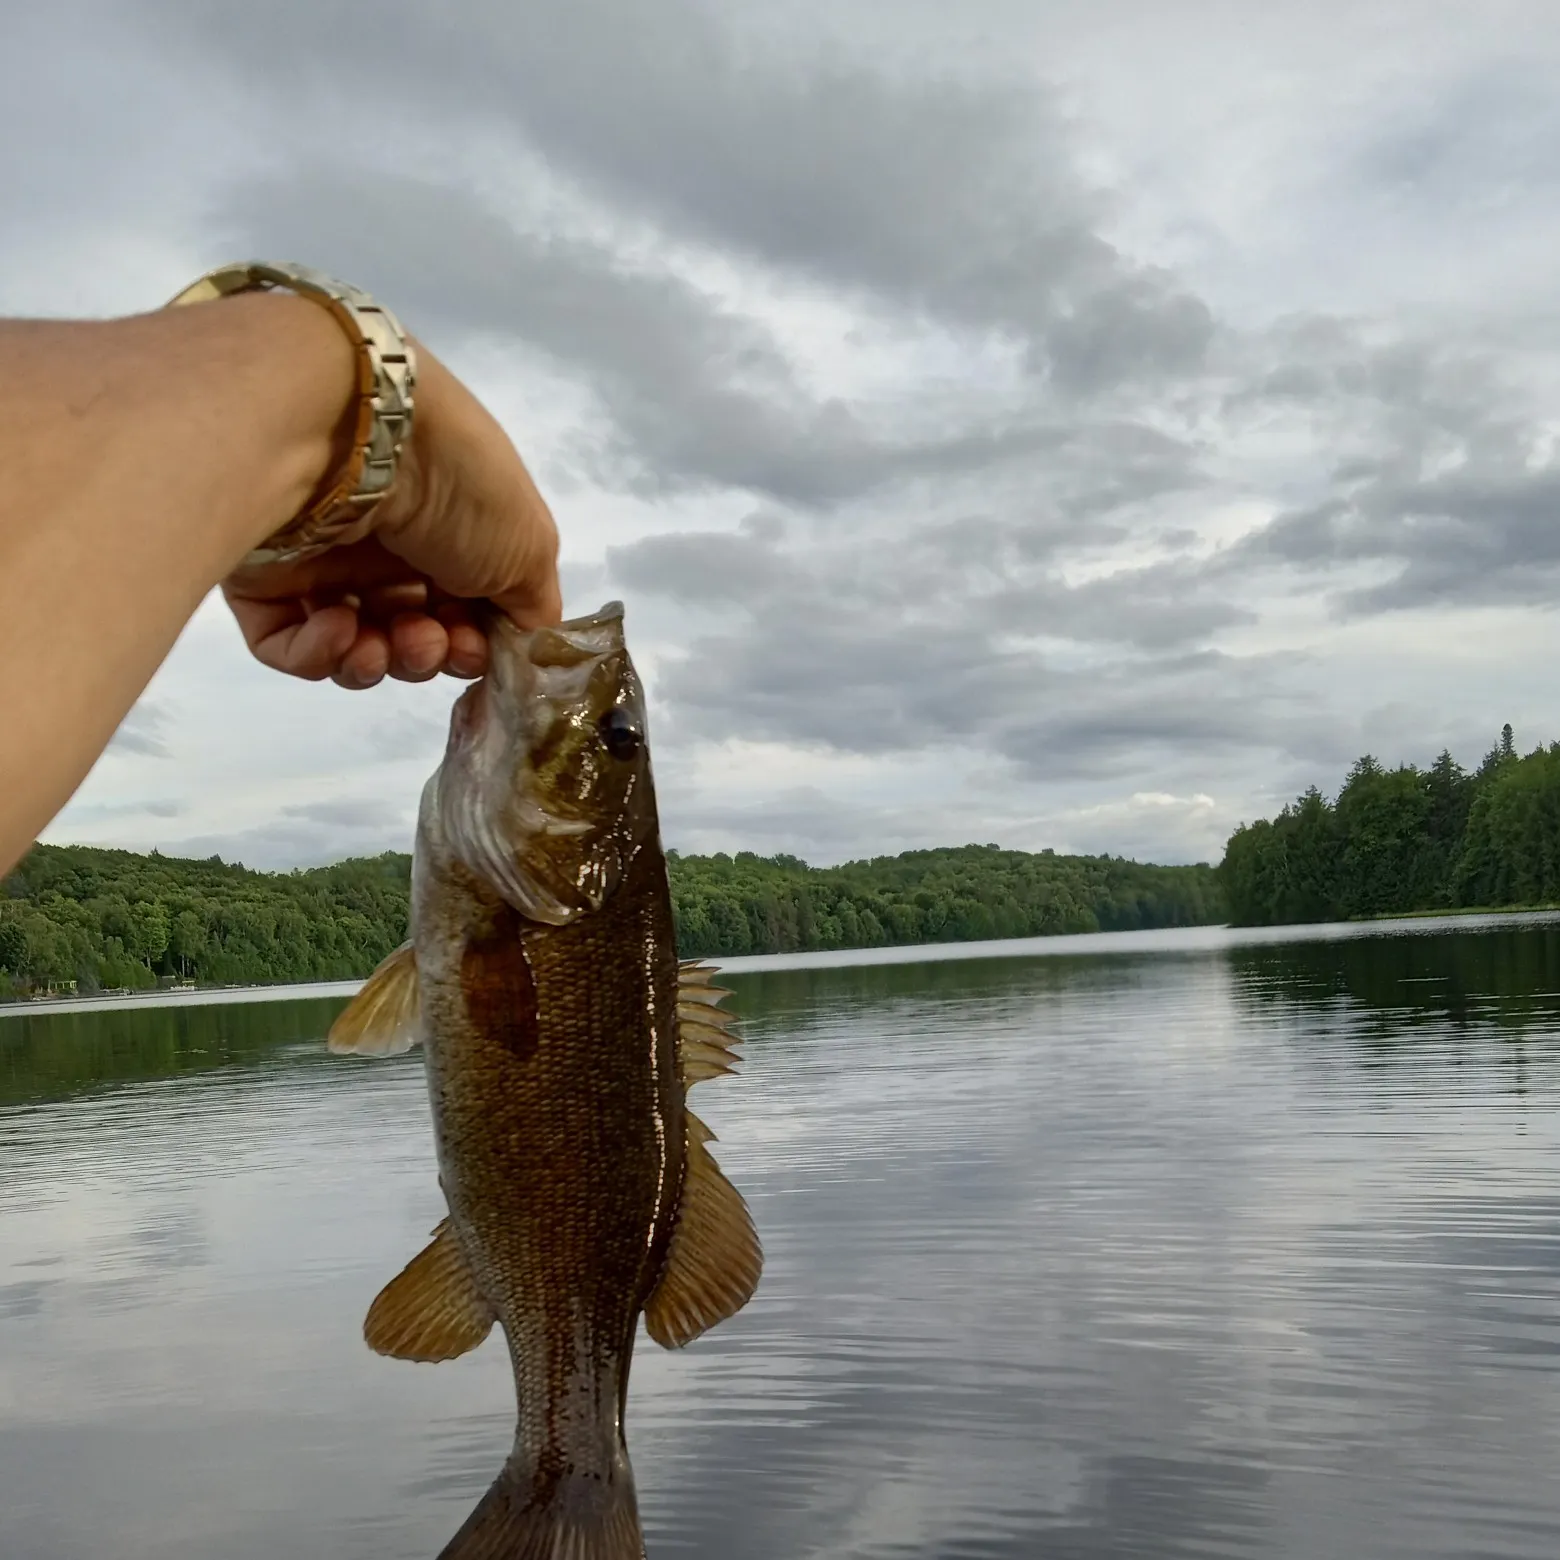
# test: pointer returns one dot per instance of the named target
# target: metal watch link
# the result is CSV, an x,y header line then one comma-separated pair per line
x,y
386,376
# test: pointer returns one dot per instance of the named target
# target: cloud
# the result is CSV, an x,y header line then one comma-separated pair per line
x,y
990,417
687,391
956,196
96,812
1444,488
406,735
916,649
141,732
349,812
307,833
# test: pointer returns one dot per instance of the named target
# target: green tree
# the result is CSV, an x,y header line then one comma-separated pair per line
x,y
1382,823
150,923
1400,840
13,947
112,918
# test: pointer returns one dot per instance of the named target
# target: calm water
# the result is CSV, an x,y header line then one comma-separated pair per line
x,y
1144,1247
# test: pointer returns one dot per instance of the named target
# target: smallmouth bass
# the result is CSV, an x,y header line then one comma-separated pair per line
x,y
560,1035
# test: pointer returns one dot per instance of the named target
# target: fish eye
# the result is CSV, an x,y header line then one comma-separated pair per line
x,y
619,734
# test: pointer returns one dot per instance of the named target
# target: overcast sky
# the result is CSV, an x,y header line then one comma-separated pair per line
x,y
1051,425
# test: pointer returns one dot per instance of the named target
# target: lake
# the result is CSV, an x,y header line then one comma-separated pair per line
x,y
1168,1244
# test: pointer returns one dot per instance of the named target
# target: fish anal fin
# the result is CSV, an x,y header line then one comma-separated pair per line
x,y
382,1019
432,1309
714,1260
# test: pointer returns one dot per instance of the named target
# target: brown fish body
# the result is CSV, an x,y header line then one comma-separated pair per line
x,y
560,1036
558,1117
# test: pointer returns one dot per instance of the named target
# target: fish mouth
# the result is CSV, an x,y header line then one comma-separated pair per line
x,y
500,805
586,630
611,613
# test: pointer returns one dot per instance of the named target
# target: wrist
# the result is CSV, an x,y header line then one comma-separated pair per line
x,y
341,511
266,379
293,372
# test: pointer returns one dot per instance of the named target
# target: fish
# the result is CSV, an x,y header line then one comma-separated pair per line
x,y
560,1033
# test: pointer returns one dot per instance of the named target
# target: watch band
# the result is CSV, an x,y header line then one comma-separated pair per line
x,y
386,375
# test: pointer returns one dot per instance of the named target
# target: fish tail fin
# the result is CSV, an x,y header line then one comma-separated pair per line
x,y
577,1518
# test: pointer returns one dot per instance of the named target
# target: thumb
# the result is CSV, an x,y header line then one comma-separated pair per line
x,y
533,605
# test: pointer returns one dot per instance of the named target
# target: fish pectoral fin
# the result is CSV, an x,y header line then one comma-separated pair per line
x,y
382,1019
714,1260
432,1309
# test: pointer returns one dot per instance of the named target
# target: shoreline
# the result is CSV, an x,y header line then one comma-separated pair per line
x,y
186,996
1183,940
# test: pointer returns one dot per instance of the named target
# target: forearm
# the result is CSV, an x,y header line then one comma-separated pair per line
x,y
140,459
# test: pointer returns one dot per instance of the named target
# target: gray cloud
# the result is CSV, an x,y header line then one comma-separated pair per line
x,y
1061,420
693,393
1464,149
141,732
350,813
404,734
1446,481
307,833
1485,536
910,651
104,811
954,196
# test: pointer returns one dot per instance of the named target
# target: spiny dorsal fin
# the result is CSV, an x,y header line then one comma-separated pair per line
x,y
703,1013
432,1309
381,1020
698,1029
700,991
714,1260
701,1060
704,1048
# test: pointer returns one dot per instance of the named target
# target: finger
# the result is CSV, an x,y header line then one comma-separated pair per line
x,y
462,620
258,620
468,655
366,660
383,602
534,605
311,649
360,567
418,647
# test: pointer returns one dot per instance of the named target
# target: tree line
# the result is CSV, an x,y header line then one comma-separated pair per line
x,y
89,919
1405,839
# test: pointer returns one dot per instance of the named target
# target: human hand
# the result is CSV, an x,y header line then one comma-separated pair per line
x,y
462,522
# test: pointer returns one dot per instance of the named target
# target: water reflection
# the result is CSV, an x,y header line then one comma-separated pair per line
x,y
1214,1250
1507,976
1432,1015
48,1055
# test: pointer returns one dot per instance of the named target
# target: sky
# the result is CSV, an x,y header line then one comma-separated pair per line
x,y
1056,426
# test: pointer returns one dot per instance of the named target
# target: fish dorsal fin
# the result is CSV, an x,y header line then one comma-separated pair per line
x,y
714,1260
381,1020
432,1309
704,1048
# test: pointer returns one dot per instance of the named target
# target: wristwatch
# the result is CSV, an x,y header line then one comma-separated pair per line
x,y
386,374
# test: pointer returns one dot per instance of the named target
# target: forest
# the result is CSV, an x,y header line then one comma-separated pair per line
x,y
87,919
1401,840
